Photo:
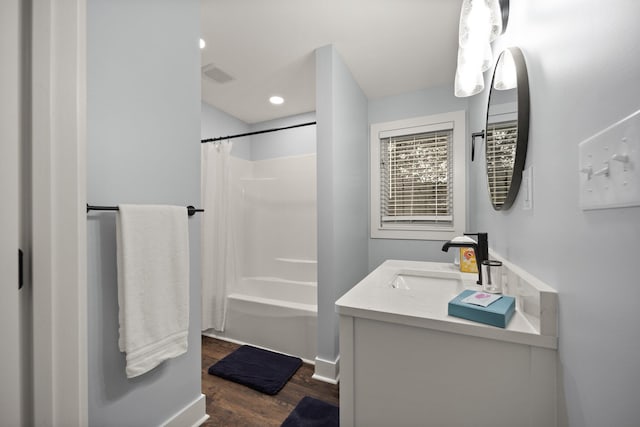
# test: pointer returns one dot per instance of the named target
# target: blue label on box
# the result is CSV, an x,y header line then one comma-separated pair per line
x,y
497,314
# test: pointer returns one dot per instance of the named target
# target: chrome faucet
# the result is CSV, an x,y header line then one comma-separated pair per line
x,y
480,249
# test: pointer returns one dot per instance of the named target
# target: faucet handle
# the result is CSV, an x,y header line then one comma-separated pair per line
x,y
477,233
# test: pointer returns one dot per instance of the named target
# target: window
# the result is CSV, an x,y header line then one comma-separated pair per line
x,y
501,147
418,178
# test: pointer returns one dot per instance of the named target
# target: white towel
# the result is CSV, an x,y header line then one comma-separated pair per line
x,y
153,284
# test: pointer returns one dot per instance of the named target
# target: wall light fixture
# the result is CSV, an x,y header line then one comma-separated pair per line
x,y
481,22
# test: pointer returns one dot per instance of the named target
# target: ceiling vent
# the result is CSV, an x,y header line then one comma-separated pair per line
x,y
216,74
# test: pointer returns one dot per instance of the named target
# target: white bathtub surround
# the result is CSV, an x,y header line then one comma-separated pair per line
x,y
293,293
153,284
273,303
273,314
279,219
400,346
219,239
327,370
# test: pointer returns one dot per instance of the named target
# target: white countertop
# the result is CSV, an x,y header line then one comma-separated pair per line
x,y
373,298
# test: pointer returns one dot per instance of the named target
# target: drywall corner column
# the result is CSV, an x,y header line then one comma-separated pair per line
x,y
144,108
343,156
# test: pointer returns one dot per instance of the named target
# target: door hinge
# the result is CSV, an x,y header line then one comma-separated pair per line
x,y
20,269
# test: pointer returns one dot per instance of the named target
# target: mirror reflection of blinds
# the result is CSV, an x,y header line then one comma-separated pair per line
x,y
501,154
416,182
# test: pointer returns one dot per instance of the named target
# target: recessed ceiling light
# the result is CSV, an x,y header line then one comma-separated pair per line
x,y
276,100
202,44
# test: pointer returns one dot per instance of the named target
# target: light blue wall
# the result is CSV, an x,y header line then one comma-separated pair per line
x,y
414,104
584,67
143,123
341,111
284,143
215,123
421,103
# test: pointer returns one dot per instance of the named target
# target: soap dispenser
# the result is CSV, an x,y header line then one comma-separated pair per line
x,y
465,257
483,246
480,249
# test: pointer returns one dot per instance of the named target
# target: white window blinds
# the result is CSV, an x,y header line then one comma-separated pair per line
x,y
416,178
501,145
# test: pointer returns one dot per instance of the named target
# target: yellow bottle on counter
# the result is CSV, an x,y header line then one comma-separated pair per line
x,y
468,260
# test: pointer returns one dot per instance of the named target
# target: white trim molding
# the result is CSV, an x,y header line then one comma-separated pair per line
x,y
327,371
455,121
192,415
59,216
13,400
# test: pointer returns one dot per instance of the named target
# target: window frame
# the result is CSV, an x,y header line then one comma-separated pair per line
x,y
454,120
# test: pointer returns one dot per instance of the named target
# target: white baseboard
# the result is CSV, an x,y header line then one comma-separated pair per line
x,y
327,370
210,334
192,415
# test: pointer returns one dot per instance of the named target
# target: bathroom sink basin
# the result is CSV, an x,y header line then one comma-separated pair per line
x,y
440,284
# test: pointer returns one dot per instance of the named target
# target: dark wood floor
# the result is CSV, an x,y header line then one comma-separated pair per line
x,y
231,404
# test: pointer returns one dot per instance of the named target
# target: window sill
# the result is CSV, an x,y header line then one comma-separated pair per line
x,y
432,234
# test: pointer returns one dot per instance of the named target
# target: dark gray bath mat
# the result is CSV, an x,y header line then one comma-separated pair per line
x,y
310,412
262,370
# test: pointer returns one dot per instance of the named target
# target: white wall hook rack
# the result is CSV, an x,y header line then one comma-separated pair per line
x,y
619,182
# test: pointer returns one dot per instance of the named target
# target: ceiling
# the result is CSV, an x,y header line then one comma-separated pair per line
x,y
267,46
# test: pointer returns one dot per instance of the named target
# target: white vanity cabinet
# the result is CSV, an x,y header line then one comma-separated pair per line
x,y
405,362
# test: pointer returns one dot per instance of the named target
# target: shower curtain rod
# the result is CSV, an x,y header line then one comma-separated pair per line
x,y
224,138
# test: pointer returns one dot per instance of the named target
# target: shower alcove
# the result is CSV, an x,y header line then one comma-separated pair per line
x,y
272,301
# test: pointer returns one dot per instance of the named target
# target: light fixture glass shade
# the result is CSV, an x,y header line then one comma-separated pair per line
x,y
480,24
468,84
472,62
506,77
495,19
475,22
476,57
474,35
487,58
469,79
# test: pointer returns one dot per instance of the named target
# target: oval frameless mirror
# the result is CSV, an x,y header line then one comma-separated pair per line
x,y
507,128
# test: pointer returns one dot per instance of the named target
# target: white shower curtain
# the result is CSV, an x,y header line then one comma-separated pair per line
x,y
219,266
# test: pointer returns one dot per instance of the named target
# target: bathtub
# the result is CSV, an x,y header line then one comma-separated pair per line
x,y
273,313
